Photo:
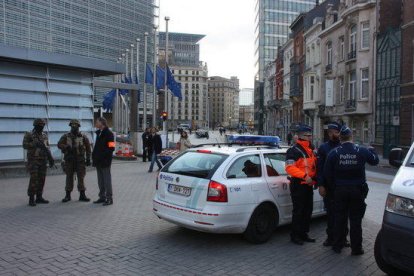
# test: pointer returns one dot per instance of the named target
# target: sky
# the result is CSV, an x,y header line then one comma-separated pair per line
x,y
228,47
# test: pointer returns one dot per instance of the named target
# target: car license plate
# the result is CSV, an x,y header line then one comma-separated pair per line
x,y
185,191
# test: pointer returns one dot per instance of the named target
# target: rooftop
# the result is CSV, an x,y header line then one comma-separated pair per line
x,y
194,38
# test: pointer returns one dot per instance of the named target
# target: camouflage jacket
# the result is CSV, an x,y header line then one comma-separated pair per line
x,y
32,143
75,146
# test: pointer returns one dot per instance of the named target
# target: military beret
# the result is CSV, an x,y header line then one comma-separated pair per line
x,y
304,128
345,131
39,122
74,122
334,126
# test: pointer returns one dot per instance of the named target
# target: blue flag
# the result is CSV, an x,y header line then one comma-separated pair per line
x,y
173,85
160,78
108,100
149,76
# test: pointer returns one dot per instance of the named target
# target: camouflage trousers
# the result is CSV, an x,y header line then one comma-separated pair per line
x,y
80,169
37,170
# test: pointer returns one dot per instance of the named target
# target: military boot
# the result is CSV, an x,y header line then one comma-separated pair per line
x,y
32,201
67,197
41,200
82,197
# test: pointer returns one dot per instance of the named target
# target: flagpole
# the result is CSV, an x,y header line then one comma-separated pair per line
x,y
137,75
154,92
126,63
144,122
165,123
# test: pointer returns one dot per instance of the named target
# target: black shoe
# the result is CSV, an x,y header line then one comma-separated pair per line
x,y
337,250
101,200
308,239
67,197
328,242
357,252
32,201
82,197
108,202
41,200
347,243
296,240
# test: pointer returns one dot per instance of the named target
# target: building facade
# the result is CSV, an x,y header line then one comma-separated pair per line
x,y
286,104
246,96
184,61
224,101
269,90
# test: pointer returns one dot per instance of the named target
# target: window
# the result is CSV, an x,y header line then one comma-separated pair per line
x,y
275,164
329,53
341,90
341,48
364,35
352,85
246,166
312,87
365,130
352,39
364,83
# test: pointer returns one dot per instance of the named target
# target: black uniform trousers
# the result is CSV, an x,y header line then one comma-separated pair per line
x,y
302,200
329,203
349,203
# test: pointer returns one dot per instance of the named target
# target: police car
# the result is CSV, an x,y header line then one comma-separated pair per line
x,y
394,245
228,189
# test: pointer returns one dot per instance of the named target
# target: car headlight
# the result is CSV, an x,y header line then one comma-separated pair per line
x,y
400,205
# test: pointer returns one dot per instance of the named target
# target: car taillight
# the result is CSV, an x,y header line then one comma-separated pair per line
x,y
216,192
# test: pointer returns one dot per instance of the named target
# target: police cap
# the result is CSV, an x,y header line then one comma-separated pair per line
x,y
39,122
74,122
345,131
334,126
304,128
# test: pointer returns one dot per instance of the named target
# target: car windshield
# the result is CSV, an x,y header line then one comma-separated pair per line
x,y
410,162
197,164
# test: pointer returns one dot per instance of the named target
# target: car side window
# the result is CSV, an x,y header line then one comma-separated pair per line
x,y
275,164
245,167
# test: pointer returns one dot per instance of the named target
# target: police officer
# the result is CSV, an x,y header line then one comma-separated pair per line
x,y
301,166
38,153
77,155
324,188
345,171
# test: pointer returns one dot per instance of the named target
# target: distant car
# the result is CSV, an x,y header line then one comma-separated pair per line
x,y
202,133
228,189
394,245
183,127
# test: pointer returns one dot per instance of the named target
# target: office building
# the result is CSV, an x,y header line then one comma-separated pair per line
x,y
224,101
246,96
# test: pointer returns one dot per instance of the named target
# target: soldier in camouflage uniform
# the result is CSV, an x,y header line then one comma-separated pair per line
x,y
77,155
38,153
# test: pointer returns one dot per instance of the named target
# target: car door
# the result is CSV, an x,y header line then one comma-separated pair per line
x,y
278,183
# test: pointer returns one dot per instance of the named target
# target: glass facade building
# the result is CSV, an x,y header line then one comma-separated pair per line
x,y
100,29
272,21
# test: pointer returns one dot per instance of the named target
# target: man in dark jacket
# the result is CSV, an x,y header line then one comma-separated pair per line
x,y
102,160
156,148
146,136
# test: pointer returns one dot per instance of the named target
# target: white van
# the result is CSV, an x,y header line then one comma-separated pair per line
x,y
394,246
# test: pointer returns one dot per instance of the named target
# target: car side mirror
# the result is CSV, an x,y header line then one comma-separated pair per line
x,y
396,157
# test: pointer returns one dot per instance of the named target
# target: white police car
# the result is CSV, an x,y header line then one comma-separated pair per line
x,y
228,189
394,246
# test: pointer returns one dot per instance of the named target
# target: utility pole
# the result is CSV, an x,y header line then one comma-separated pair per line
x,y
133,129
165,123
154,92
137,74
144,122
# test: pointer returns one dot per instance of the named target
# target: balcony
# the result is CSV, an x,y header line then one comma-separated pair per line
x,y
328,68
352,55
350,105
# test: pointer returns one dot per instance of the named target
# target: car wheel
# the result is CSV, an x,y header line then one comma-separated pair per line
x,y
262,224
381,262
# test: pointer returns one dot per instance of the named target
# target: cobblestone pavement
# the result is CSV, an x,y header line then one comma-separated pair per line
x,y
127,239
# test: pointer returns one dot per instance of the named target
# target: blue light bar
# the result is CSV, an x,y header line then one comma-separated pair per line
x,y
253,139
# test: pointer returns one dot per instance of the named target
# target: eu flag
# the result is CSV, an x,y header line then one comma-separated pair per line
x,y
149,76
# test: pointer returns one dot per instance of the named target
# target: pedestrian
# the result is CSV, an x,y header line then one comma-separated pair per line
x,y
184,142
345,170
76,150
325,189
301,167
289,138
156,148
38,154
102,160
145,144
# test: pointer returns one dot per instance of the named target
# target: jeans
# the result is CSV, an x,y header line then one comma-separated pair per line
x,y
154,158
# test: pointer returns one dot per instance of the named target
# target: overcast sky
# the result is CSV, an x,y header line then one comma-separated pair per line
x,y
228,47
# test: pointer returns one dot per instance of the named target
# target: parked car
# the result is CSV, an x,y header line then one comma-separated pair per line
x,y
394,245
202,133
183,127
228,189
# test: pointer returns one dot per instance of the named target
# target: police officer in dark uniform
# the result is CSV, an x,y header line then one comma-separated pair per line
x,y
301,167
324,188
345,170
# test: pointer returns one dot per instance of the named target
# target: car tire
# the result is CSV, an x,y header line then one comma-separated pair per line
x,y
262,224
381,262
